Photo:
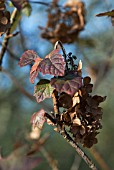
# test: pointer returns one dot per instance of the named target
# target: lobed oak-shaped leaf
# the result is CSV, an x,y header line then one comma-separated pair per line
x,y
53,64
69,84
28,57
38,119
43,90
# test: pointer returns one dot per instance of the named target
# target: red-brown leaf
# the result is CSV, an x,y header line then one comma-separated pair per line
x,y
53,64
27,58
38,119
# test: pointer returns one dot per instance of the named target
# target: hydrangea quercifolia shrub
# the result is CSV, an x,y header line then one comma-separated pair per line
x,y
69,90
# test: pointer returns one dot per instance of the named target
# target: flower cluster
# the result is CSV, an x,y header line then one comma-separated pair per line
x,y
84,118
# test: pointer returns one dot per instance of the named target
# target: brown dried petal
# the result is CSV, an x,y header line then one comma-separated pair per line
x,y
72,115
4,20
66,118
92,103
75,130
65,100
86,80
99,98
75,100
89,88
79,66
76,122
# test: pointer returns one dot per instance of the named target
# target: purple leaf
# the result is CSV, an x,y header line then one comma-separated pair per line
x,y
53,64
69,84
27,58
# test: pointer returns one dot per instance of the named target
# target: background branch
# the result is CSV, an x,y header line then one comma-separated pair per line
x,y
99,159
21,89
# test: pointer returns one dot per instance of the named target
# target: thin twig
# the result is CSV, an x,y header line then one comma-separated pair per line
x,y
37,144
63,50
55,103
13,35
53,120
7,37
12,55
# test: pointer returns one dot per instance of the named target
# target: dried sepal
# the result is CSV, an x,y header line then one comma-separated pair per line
x,y
75,99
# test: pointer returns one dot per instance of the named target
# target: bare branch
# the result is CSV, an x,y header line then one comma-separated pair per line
x,y
55,104
7,37
67,137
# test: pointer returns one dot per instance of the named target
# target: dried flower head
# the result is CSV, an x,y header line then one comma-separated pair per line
x,y
64,23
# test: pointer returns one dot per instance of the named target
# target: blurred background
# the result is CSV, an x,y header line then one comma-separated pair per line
x,y
95,47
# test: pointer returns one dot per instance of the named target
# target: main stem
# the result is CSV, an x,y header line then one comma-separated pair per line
x,y
66,136
78,149
63,50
